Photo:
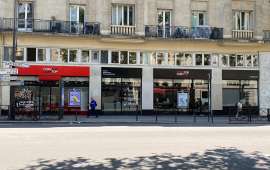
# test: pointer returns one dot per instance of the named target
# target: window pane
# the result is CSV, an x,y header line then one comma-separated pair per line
x,y
95,57
171,60
230,97
104,57
31,54
19,54
160,58
64,55
207,59
81,14
248,60
54,55
72,55
114,14
180,59
225,59
8,53
131,15
144,57
240,60
123,57
255,61
201,19
115,57
250,97
125,15
232,60
85,56
41,54
132,57
198,59
120,19
188,59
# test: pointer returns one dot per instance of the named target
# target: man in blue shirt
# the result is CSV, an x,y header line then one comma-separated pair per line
x,y
92,108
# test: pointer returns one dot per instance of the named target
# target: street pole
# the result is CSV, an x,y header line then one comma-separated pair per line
x,y
13,56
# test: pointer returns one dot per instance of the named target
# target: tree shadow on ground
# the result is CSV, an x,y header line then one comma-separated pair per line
x,y
221,158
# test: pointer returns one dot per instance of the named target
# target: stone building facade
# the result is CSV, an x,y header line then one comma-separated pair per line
x,y
141,54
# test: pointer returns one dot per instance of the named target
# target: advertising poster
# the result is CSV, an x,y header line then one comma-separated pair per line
x,y
182,100
74,98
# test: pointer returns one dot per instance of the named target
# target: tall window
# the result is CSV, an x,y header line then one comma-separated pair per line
x,y
25,16
243,20
123,15
77,18
164,23
199,18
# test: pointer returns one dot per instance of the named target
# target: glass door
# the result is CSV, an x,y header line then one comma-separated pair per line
x,y
76,19
49,100
25,16
164,23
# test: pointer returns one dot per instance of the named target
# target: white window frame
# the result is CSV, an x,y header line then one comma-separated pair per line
x,y
121,7
248,20
197,22
37,60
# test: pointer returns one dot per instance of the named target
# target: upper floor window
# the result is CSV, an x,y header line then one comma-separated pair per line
x,y
243,20
123,15
199,18
25,16
164,23
77,18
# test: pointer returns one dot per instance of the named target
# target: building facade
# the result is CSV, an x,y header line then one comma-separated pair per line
x,y
132,55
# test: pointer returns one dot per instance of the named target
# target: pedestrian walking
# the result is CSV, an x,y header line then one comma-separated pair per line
x,y
239,109
92,108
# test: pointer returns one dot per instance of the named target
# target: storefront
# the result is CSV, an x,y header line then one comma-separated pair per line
x,y
240,86
183,89
48,90
121,90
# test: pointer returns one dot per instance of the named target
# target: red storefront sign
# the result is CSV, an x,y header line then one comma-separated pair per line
x,y
46,72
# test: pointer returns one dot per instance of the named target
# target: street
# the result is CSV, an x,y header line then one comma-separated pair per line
x,y
48,146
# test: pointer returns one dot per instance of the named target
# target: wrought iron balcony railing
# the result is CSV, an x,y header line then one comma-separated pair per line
x,y
50,26
266,35
184,32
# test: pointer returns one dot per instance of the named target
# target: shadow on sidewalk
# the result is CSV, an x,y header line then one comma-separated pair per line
x,y
221,158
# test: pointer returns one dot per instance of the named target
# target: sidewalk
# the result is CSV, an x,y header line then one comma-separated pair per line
x,y
172,119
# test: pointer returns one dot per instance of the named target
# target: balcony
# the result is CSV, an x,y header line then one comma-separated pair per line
x,y
242,34
266,35
51,26
184,32
123,30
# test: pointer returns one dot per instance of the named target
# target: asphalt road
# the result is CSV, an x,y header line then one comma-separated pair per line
x,y
133,147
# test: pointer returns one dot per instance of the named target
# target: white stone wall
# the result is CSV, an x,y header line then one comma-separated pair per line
x,y
147,88
95,85
216,89
264,83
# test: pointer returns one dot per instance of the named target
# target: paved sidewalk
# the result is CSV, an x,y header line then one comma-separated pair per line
x,y
172,119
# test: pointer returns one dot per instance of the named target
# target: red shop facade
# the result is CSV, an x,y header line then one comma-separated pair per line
x,y
51,90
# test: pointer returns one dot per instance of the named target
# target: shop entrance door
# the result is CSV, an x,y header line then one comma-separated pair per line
x,y
49,98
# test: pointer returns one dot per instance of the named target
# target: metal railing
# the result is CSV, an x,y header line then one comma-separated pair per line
x,y
266,35
122,30
242,34
184,32
50,26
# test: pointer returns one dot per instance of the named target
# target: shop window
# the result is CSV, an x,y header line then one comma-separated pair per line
x,y
249,60
54,55
64,55
255,61
123,57
41,54
240,60
31,54
132,58
73,56
104,57
144,57
225,60
232,60
207,59
171,59
95,56
198,59
115,57
85,56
